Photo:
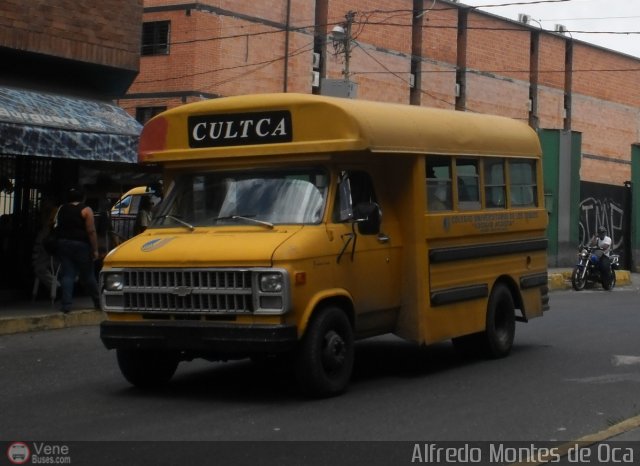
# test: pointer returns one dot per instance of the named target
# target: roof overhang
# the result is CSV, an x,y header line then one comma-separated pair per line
x,y
50,125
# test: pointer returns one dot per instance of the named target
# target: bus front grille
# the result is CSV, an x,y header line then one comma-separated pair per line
x,y
188,291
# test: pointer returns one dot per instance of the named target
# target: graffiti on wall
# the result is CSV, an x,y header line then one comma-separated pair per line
x,y
595,213
607,206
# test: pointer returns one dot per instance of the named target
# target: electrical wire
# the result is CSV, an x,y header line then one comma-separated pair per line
x,y
361,26
397,75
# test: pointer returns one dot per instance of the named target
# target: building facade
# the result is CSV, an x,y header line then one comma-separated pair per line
x,y
63,64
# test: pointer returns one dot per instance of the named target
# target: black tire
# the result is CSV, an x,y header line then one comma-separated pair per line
x,y
578,283
325,356
612,282
501,322
147,369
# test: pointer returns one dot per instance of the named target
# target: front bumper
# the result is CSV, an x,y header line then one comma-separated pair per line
x,y
199,337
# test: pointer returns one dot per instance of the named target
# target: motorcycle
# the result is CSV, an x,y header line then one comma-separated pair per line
x,y
587,269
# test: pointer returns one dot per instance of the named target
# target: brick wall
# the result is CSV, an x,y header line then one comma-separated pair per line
x,y
551,61
104,33
497,47
231,48
550,107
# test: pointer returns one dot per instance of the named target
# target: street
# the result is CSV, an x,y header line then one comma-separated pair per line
x,y
573,372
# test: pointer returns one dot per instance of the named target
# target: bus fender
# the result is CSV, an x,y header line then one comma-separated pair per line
x,y
330,295
515,294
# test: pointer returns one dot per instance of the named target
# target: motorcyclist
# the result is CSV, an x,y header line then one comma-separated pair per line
x,y
603,242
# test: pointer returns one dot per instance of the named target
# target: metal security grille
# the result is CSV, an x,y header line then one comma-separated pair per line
x,y
188,290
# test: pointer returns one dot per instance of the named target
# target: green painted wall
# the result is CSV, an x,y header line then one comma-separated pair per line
x,y
561,170
549,141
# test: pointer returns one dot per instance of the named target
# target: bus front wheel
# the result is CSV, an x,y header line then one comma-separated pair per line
x,y
501,322
147,369
325,356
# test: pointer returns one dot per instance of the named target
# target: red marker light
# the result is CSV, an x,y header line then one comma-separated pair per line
x,y
153,138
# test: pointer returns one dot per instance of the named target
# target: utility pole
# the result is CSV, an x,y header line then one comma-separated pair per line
x,y
341,37
347,43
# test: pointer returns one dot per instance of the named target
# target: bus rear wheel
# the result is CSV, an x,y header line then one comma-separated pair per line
x,y
325,356
147,369
501,322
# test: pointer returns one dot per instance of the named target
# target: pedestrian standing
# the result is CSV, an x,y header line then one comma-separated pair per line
x,y
144,217
77,248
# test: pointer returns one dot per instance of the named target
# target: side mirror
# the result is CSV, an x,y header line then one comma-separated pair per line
x,y
369,218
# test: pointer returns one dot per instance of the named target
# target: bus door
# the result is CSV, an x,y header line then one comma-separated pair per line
x,y
366,265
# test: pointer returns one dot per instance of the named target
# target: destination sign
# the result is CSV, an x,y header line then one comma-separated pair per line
x,y
240,129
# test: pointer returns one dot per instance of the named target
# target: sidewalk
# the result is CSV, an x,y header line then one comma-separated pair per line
x,y
29,316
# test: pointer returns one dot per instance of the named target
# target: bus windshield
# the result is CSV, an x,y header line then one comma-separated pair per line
x,y
265,197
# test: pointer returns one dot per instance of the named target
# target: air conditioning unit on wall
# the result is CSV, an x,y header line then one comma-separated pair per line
x,y
561,28
315,79
526,19
316,60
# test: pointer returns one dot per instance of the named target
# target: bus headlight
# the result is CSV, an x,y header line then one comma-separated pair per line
x,y
114,282
271,282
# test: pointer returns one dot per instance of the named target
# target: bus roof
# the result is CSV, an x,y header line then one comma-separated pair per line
x,y
277,124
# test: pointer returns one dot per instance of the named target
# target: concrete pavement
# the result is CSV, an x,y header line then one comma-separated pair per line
x,y
40,314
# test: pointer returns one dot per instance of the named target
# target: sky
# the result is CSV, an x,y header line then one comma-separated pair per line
x,y
594,16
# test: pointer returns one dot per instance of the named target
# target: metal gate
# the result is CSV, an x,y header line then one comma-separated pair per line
x,y
24,182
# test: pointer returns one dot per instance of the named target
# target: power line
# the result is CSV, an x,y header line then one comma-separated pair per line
x,y
397,75
596,70
367,15
534,2
262,64
589,19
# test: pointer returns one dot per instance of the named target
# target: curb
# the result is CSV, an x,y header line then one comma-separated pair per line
x,y
10,325
562,280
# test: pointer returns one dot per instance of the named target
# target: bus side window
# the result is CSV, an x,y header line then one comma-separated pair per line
x,y
467,175
494,184
438,184
522,178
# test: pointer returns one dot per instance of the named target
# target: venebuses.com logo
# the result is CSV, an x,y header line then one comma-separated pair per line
x,y
18,453
38,453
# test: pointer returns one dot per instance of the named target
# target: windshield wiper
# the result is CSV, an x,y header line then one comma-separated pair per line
x,y
246,218
176,219
254,220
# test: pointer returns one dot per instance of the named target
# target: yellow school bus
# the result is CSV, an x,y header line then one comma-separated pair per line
x,y
293,225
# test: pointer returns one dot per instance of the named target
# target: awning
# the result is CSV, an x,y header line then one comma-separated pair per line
x,y
50,125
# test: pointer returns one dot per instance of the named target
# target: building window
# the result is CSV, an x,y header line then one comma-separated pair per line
x,y
155,38
144,114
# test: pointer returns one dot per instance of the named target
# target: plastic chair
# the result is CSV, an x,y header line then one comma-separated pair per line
x,y
54,269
